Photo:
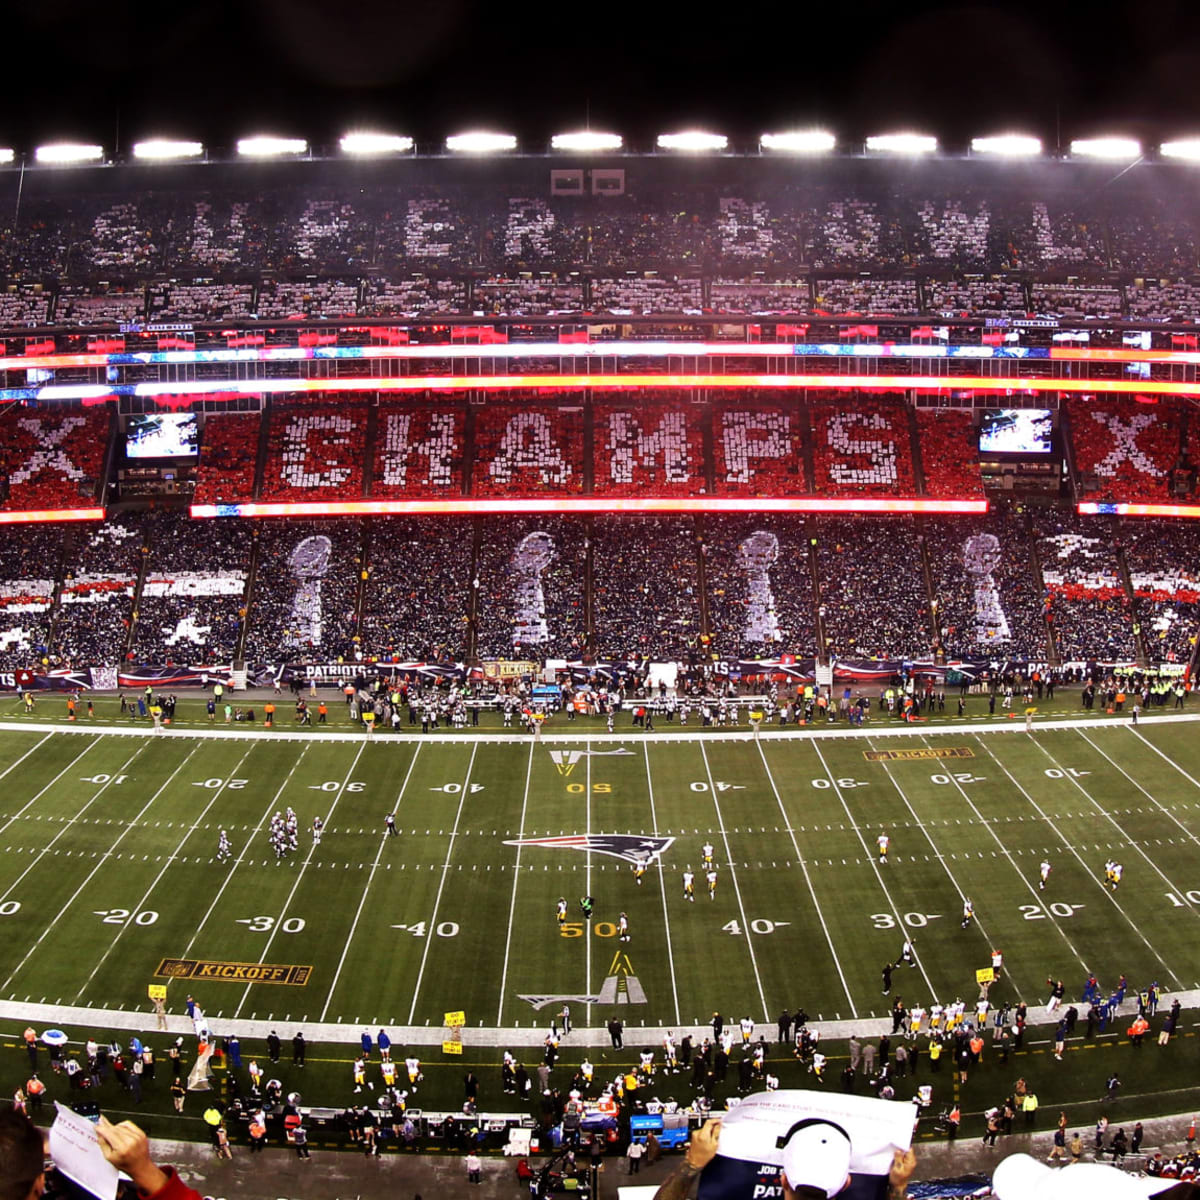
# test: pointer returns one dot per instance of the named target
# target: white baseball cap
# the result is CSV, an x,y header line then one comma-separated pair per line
x,y
1020,1177
818,1156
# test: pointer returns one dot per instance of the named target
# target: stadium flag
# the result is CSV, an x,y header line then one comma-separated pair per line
x,y
46,347
313,338
1078,335
573,335
489,336
754,333
992,339
105,345
1188,341
1140,340
849,331
923,331
175,343
786,331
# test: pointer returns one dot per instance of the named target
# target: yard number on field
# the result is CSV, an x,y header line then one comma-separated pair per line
x,y
956,777
263,924
121,916
699,785
841,784
442,929
1179,901
335,785
10,908
103,778
758,925
915,919
213,784
452,789
1065,773
1037,912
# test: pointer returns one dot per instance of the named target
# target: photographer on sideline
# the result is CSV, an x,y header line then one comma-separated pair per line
x,y
702,1149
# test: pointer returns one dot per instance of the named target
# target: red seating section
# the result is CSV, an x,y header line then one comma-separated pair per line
x,y
419,450
646,447
1124,450
527,449
316,453
757,449
861,447
949,457
228,455
47,456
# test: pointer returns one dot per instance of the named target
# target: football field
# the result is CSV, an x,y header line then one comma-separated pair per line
x,y
110,878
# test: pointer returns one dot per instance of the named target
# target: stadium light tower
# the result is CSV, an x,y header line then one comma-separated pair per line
x,y
799,141
902,143
363,143
58,153
480,141
1008,145
1106,147
585,140
693,140
7,154
1187,149
266,146
163,149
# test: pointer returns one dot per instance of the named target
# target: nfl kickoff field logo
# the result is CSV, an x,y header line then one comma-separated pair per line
x,y
567,760
621,986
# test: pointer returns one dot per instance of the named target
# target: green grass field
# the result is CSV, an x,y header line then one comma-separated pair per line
x,y
110,868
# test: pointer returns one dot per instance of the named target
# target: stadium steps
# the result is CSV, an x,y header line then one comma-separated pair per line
x,y
360,592
930,593
110,458
468,448
1039,584
264,447
1064,419
1127,584
806,447
369,451
706,438
589,443
814,577
918,467
473,604
248,597
589,608
698,543
131,632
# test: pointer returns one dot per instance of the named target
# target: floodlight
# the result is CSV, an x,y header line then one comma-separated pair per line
x,y
692,139
480,142
799,141
587,139
375,143
265,146
1187,148
68,152
1009,145
902,143
7,154
159,149
1106,147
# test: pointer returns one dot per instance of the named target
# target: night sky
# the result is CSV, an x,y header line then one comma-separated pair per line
x,y
219,69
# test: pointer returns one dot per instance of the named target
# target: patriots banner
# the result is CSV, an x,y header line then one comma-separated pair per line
x,y
82,679
749,1161
326,674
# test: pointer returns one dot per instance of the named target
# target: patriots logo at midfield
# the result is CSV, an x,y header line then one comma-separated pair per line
x,y
630,847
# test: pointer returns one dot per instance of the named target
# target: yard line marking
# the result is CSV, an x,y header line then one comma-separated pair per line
x,y
1165,757
933,846
512,904
1132,842
242,856
587,824
1079,858
1165,811
712,791
837,962
900,926
103,859
662,882
383,839
437,900
300,874
66,825
34,799
167,866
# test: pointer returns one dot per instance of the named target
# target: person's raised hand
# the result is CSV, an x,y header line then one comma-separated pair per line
x,y
128,1149
702,1148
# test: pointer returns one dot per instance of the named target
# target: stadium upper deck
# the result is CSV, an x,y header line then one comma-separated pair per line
x,y
714,222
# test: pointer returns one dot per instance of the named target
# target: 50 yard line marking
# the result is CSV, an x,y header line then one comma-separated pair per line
x,y
300,876
587,824
662,883
837,962
712,791
383,839
512,904
437,900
